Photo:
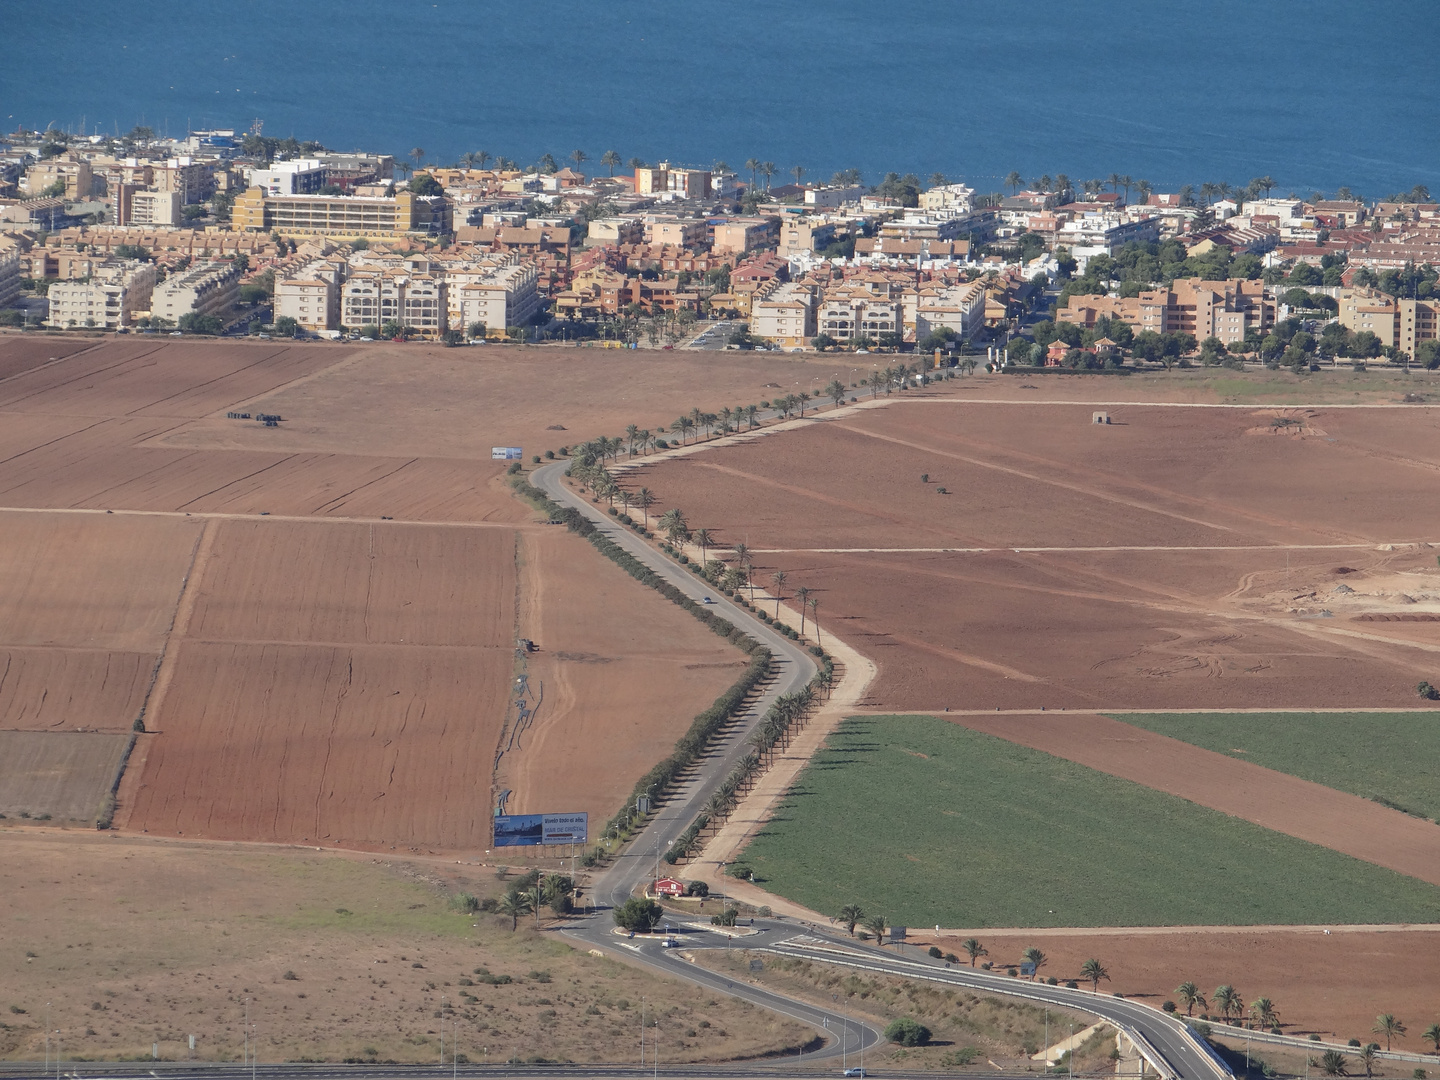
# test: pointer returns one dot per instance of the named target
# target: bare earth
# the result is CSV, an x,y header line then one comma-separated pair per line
x,y
63,774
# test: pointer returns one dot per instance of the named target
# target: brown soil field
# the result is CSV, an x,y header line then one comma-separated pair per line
x,y
1333,984
1287,804
1226,620
623,673
134,941
61,689
63,774
20,353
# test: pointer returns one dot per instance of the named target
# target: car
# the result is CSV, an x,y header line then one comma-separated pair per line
x,y
367,339
177,333
669,943
853,1072
707,600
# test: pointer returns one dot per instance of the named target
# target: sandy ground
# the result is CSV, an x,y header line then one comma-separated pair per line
x,y
1287,804
1333,984
135,941
20,353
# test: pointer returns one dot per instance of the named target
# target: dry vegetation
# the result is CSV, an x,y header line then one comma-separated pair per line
x,y
136,941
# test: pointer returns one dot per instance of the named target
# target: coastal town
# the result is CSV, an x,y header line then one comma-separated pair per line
x,y
231,232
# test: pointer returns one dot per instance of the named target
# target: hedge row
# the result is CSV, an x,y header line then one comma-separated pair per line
x,y
706,725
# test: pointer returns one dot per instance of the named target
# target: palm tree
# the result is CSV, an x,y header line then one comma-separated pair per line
x,y
1190,996
482,157
610,159
1013,181
1032,955
767,170
467,159
778,578
1368,1057
1127,182
645,498
1332,1063
836,392
1144,188
850,914
702,538
632,435
579,157
514,904
750,411
815,620
1227,1000
876,925
626,500
803,595
974,950
753,164
1433,1034
419,156
636,163
1264,1013
1114,181
1094,971
798,171
1386,1024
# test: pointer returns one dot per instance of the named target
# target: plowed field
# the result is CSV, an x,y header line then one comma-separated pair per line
x,y
63,774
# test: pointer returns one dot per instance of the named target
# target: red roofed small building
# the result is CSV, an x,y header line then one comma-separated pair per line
x,y
669,886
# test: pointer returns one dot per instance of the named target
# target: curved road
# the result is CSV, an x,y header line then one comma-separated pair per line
x,y
1180,1053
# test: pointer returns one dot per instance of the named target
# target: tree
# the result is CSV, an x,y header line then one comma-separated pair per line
x,y
638,915
849,915
876,925
974,950
1332,1063
803,595
753,164
425,184
1094,972
514,904
907,1032
1227,1000
579,157
192,322
1386,1024
768,170
645,498
823,341
610,159
836,392
1368,1055
703,539
1190,996
1433,1034
1013,181
285,326
1032,955
1264,1013
778,579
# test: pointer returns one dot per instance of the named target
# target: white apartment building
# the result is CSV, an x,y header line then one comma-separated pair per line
x,y
958,307
209,288
311,295
375,297
118,289
830,196
9,275
785,313
948,198
153,208
498,296
302,177
612,230
851,311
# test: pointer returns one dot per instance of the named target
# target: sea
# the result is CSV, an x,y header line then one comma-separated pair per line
x,y
1315,95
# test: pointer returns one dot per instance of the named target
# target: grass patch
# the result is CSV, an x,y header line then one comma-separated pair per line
x,y
1374,755
926,822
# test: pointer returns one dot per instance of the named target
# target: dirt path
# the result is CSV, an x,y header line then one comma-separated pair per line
x,y
1274,800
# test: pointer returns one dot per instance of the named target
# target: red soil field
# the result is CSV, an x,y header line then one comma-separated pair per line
x,y
624,672
1331,984
1080,628
1287,804
63,689
20,353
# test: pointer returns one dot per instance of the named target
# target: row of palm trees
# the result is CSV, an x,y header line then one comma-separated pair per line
x,y
553,889
1062,185
1229,1001
1335,1063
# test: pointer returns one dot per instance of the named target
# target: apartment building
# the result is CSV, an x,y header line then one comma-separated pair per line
x,y
209,288
1372,310
303,177
76,176
310,295
193,181
499,296
679,232
375,297
117,290
785,314
833,196
9,275
959,307
1227,310
1419,321
951,198
402,214
806,234
132,205
1107,232
740,235
616,230
861,310
674,181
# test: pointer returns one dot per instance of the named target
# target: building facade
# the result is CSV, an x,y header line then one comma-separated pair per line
x,y
109,300
211,288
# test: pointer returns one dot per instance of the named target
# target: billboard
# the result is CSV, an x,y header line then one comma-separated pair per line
x,y
506,453
524,830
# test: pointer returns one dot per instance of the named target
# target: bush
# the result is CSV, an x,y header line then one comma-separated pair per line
x,y
290,976
936,953
1201,1029
1168,1006
728,917
1354,1042
638,915
739,870
535,459
464,902
907,1032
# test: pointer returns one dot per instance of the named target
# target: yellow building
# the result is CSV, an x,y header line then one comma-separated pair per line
x,y
403,214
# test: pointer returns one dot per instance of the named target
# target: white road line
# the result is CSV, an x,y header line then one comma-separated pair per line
x,y
1378,545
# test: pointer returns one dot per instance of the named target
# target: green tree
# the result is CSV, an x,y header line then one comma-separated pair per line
x,y
1264,1013
1332,1063
425,184
1368,1055
849,915
1013,181
1032,955
1190,996
823,341
876,925
1227,1000
611,160
579,157
974,950
193,322
514,904
1432,1033
778,580
1094,971
645,498
1386,1024
836,392
639,915
907,1032
285,326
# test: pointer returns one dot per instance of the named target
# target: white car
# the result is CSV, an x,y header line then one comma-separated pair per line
x,y
853,1072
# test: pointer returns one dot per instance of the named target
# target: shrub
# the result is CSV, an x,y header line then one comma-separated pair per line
x,y
1071,984
1354,1042
289,976
535,459
936,953
907,1032
728,917
739,870
638,915
1168,1006
465,902
1202,1030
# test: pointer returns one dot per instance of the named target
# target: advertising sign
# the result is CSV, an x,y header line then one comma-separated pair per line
x,y
506,453
524,830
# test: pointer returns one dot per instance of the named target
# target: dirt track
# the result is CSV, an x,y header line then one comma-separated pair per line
x,y
1287,804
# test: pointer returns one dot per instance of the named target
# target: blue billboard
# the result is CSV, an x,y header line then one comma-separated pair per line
x,y
526,830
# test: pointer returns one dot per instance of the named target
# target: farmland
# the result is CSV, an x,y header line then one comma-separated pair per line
x,y
1373,755
134,941
928,823
59,775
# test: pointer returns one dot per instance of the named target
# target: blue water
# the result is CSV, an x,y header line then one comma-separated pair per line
x,y
1316,95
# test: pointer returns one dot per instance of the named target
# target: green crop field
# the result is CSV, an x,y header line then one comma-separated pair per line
x,y
1382,756
924,822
